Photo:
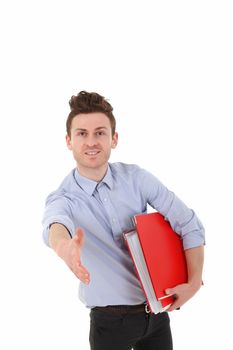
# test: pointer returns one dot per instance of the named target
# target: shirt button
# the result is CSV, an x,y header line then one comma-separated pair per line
x,y
105,199
113,220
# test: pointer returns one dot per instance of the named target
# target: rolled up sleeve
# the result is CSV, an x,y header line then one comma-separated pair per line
x,y
57,210
182,219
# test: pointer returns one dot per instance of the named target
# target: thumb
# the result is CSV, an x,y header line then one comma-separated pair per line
x,y
170,291
79,236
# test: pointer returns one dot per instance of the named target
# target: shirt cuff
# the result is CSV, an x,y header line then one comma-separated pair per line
x,y
60,219
193,239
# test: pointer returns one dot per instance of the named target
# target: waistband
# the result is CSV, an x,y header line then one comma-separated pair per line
x,y
124,309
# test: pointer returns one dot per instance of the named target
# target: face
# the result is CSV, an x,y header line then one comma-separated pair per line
x,y
91,142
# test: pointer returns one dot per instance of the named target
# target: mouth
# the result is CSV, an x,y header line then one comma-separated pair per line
x,y
92,153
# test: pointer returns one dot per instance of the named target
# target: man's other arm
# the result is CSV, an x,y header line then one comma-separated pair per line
x,y
183,292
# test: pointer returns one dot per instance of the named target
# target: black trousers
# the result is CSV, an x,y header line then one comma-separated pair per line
x,y
139,331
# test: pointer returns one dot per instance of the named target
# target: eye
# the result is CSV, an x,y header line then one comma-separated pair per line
x,y
100,133
82,133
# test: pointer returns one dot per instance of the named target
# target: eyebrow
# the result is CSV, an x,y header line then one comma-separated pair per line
x,y
99,128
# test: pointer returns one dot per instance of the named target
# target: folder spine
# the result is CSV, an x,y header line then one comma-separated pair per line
x,y
135,268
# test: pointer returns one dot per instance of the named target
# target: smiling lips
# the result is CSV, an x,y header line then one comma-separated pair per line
x,y
92,153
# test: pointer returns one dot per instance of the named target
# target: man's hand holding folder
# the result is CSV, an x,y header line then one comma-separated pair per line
x,y
185,291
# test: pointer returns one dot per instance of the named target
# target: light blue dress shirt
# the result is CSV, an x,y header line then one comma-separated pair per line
x,y
105,210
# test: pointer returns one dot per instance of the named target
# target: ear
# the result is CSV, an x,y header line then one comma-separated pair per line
x,y
114,140
68,142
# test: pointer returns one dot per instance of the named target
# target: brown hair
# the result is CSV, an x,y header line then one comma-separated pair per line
x,y
89,102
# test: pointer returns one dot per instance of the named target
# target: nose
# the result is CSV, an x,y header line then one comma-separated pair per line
x,y
91,141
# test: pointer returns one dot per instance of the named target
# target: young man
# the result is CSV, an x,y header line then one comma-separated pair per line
x,y
96,201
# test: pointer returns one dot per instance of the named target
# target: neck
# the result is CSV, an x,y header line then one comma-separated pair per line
x,y
93,174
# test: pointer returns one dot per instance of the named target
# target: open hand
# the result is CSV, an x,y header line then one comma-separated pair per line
x,y
70,252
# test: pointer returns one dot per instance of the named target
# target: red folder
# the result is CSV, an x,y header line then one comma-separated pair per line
x,y
163,255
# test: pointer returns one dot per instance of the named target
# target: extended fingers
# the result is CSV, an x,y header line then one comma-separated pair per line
x,y
81,272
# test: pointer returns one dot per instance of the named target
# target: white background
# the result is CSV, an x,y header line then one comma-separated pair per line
x,y
166,67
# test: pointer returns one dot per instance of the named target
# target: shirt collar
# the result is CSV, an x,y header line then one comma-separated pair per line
x,y
108,179
89,186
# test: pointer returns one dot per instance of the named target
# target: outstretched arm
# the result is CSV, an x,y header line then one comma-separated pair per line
x,y
69,249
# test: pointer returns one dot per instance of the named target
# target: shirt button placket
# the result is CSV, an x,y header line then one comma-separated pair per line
x,y
110,211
